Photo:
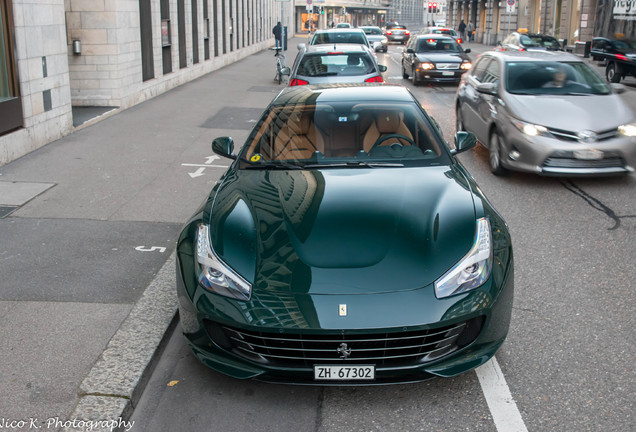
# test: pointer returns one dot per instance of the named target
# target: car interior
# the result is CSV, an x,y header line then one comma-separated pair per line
x,y
358,131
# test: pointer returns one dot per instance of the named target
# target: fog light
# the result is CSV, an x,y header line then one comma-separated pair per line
x,y
514,155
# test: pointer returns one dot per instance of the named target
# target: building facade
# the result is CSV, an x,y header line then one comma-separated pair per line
x,y
321,14
568,20
60,54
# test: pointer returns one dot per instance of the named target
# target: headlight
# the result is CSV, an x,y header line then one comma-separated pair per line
x,y
627,130
427,66
384,41
213,274
466,65
531,129
473,270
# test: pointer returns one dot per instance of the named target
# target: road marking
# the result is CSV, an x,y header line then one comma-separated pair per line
x,y
204,165
502,406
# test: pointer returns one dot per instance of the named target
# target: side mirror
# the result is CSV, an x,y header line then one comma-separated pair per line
x,y
285,71
467,50
382,68
487,88
301,46
498,43
410,50
464,141
224,146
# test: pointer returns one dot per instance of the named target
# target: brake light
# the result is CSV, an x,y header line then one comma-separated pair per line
x,y
297,82
389,32
407,32
459,40
374,79
621,57
335,52
522,49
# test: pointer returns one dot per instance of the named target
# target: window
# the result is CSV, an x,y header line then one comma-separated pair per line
x,y
10,102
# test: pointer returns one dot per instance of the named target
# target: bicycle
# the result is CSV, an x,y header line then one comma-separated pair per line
x,y
280,64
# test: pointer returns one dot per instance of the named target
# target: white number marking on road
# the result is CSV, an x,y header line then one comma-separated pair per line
x,y
150,249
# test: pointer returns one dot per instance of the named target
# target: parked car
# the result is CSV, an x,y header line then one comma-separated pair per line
x,y
376,38
618,54
338,36
345,245
397,33
442,31
343,63
434,57
547,113
529,42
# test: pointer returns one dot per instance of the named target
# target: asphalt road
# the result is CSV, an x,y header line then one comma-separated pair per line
x,y
569,359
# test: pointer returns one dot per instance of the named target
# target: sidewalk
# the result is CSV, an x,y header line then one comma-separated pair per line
x,y
88,226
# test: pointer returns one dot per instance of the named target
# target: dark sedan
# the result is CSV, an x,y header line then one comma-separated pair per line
x,y
345,245
433,57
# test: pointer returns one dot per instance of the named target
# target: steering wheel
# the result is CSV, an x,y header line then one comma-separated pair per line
x,y
391,136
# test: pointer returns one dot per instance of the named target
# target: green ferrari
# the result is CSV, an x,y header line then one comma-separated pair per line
x,y
345,245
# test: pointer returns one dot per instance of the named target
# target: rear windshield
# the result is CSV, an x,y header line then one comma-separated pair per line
x,y
575,78
546,41
327,64
348,37
372,31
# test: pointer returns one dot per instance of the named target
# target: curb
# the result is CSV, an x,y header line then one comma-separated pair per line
x,y
112,388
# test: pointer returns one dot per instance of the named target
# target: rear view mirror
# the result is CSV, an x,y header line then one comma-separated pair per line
x,y
382,68
301,46
487,88
224,146
285,71
467,50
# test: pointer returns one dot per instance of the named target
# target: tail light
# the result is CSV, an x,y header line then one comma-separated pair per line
x,y
374,79
389,32
522,49
459,40
621,57
407,32
297,82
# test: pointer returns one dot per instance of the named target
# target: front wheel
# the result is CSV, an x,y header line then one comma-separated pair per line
x,y
612,73
459,120
495,150
414,77
404,74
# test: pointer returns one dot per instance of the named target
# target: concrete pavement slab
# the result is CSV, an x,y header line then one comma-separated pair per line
x,y
18,193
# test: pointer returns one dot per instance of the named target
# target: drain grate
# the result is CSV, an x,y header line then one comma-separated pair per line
x,y
6,210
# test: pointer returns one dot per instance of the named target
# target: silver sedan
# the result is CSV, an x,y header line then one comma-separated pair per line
x,y
547,113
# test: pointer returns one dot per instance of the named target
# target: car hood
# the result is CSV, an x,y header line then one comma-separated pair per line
x,y
440,57
572,113
343,231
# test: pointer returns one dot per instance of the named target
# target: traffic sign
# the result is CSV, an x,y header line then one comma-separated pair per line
x,y
510,2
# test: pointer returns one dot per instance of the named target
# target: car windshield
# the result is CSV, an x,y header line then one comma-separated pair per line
x,y
343,134
372,31
575,78
449,32
546,41
336,37
425,45
336,63
527,42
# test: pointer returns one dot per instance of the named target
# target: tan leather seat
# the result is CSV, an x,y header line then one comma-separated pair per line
x,y
386,123
299,138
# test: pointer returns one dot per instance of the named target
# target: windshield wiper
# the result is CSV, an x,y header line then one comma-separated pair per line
x,y
356,164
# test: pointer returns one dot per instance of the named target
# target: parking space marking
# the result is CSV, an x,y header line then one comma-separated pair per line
x,y
502,406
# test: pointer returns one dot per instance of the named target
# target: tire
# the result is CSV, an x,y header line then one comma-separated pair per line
x,y
414,77
459,120
494,151
613,73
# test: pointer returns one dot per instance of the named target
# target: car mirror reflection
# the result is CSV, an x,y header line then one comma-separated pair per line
x,y
224,146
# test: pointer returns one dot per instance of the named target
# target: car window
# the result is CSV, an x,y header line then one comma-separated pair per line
x,y
546,41
479,69
428,45
491,74
333,64
335,37
624,44
553,78
372,31
527,41
337,132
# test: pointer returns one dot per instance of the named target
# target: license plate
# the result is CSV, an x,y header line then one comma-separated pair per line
x,y
590,154
344,373
448,73
398,37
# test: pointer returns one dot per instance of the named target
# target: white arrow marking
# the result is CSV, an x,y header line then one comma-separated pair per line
x,y
210,159
197,173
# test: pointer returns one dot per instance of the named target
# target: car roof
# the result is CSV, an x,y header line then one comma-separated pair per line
x,y
434,36
340,30
371,27
343,47
362,92
535,56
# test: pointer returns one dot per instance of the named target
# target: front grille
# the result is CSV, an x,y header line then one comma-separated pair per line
x,y
388,349
572,136
571,163
447,65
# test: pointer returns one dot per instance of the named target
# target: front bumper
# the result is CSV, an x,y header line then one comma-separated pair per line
x,y
439,75
551,156
229,336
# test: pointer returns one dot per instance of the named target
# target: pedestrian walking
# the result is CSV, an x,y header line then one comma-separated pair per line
x,y
470,29
462,29
278,31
